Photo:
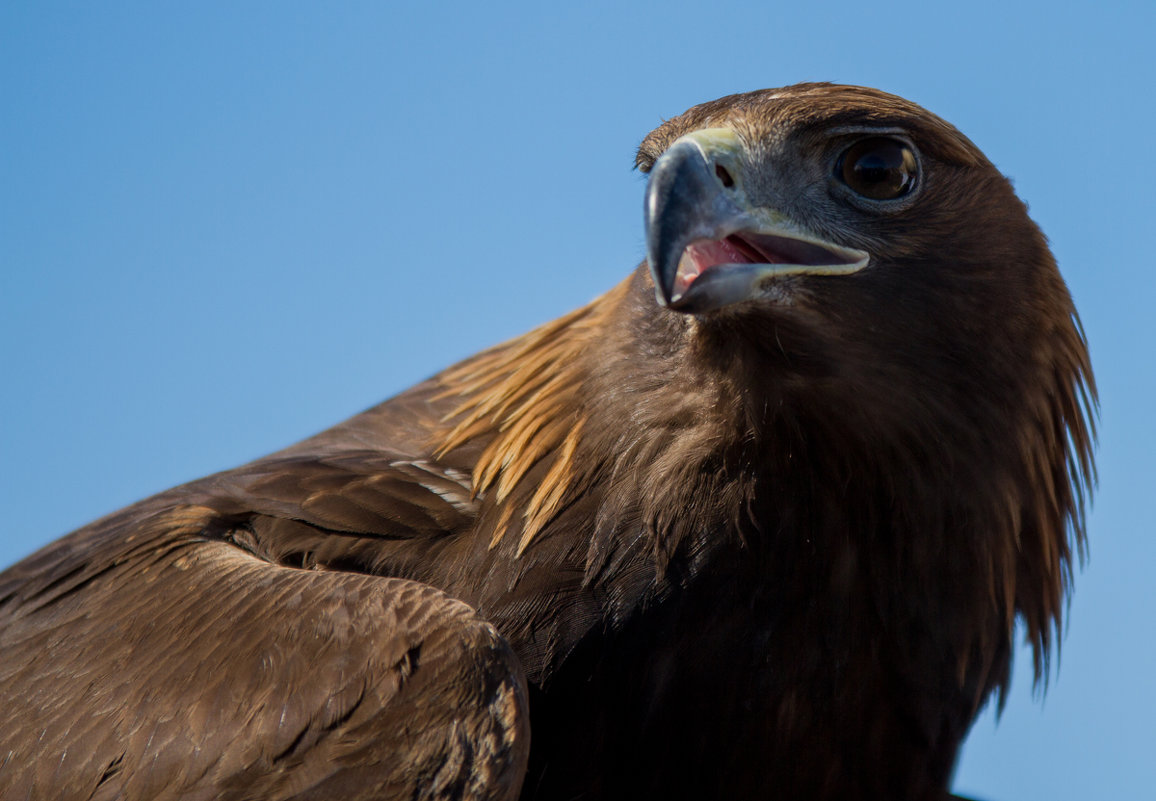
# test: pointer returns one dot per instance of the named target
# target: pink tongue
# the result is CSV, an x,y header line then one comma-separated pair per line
x,y
717,251
701,256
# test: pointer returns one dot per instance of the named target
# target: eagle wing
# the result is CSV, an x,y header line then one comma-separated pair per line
x,y
210,643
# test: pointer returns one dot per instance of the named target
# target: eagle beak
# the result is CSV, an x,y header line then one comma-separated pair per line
x,y
707,246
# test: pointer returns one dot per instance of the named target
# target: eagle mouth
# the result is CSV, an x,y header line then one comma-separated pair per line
x,y
709,246
758,257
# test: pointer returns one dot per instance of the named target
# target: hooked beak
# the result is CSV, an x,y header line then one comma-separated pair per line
x,y
707,247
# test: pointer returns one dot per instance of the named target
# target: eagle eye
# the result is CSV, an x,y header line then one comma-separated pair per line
x,y
878,168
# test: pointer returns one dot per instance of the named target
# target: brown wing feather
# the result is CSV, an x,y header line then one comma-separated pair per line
x,y
183,685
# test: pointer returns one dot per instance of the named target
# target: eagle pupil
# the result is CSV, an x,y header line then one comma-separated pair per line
x,y
879,168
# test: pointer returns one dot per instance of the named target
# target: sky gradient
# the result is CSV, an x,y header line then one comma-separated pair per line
x,y
222,230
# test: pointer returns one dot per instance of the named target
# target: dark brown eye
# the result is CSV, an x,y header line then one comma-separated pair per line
x,y
879,168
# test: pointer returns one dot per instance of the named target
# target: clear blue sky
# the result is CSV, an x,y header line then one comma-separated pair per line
x,y
223,230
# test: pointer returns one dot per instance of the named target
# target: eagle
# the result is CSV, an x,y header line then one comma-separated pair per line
x,y
759,522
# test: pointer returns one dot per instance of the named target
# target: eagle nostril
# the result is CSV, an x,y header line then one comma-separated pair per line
x,y
724,176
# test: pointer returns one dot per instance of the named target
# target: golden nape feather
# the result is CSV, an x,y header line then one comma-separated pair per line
x,y
757,523
526,395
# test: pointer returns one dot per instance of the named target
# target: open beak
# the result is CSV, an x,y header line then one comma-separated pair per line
x,y
707,247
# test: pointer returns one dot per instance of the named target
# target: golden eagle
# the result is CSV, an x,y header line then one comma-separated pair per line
x,y
756,523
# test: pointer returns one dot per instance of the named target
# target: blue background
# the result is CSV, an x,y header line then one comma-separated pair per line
x,y
224,229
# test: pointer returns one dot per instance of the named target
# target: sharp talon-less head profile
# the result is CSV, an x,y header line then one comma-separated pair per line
x,y
758,522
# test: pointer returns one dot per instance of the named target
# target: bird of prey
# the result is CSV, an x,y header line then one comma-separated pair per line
x,y
756,523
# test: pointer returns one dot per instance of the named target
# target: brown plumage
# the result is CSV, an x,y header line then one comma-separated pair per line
x,y
766,536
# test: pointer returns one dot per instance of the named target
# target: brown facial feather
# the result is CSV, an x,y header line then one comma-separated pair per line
x,y
765,114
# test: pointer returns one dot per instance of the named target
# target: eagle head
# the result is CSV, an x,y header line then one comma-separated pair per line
x,y
892,315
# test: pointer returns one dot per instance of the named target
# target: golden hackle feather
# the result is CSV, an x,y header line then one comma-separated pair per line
x,y
525,394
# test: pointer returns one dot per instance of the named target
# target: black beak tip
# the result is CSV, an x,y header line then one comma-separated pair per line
x,y
661,290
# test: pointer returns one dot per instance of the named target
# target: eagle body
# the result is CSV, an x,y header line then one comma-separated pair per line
x,y
758,522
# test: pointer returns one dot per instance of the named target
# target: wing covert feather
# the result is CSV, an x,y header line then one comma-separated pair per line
x,y
213,674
